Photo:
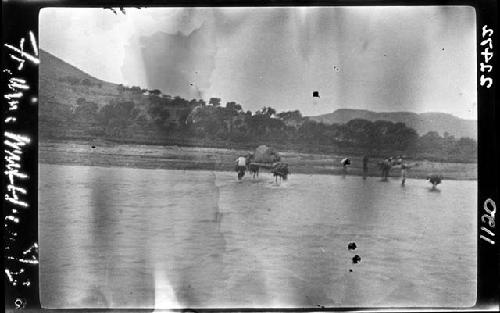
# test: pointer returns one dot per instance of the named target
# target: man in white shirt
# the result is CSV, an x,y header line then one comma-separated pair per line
x,y
241,163
345,163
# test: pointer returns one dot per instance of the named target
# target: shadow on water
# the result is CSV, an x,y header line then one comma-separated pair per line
x,y
201,273
121,278
434,189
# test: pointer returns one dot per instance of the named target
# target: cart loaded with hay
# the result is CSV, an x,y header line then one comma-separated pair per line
x,y
267,158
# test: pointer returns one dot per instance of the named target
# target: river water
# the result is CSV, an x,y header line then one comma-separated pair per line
x,y
117,237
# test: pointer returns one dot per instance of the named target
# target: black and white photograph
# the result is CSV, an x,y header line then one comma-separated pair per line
x,y
257,157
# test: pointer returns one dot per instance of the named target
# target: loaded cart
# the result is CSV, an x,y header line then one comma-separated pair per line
x,y
268,158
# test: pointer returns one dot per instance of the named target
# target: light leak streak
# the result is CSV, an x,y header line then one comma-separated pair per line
x,y
165,297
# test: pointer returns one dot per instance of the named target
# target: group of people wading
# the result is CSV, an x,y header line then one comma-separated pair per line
x,y
386,165
280,170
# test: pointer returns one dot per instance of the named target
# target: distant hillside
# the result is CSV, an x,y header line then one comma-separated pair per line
x,y
54,67
63,88
64,83
422,123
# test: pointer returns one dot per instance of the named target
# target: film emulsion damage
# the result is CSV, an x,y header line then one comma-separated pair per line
x,y
21,55
158,219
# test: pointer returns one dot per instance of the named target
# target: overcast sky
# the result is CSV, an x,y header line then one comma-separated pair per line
x,y
385,59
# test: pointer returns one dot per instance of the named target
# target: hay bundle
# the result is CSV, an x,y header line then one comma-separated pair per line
x,y
265,154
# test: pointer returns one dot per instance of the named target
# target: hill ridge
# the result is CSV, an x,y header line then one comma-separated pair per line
x,y
422,122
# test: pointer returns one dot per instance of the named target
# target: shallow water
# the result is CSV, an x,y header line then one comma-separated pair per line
x,y
123,237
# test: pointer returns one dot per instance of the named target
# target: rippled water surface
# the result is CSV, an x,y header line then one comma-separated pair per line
x,y
123,237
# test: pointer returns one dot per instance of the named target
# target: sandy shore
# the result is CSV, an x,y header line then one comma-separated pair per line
x,y
191,158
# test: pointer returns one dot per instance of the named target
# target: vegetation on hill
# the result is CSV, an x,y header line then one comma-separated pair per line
x,y
74,105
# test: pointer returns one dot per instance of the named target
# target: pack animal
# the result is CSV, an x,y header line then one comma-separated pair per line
x,y
280,170
254,170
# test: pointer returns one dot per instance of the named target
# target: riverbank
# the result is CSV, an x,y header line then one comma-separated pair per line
x,y
220,159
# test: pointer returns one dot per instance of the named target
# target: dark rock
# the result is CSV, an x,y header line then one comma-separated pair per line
x,y
356,259
351,246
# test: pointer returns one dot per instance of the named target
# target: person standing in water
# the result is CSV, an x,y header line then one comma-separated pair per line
x,y
400,160
345,163
404,167
365,166
386,167
241,166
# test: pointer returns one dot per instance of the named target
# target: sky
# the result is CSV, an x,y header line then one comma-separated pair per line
x,y
384,59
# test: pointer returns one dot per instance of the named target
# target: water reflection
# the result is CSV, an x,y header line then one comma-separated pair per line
x,y
120,237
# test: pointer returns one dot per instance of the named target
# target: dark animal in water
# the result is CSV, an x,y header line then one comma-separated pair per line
x,y
280,170
434,180
254,169
241,174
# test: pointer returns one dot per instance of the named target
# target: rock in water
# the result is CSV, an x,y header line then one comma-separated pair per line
x,y
356,259
351,246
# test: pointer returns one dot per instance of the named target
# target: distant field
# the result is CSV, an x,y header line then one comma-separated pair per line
x,y
187,158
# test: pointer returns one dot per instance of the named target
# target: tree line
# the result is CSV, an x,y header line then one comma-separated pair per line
x,y
213,124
